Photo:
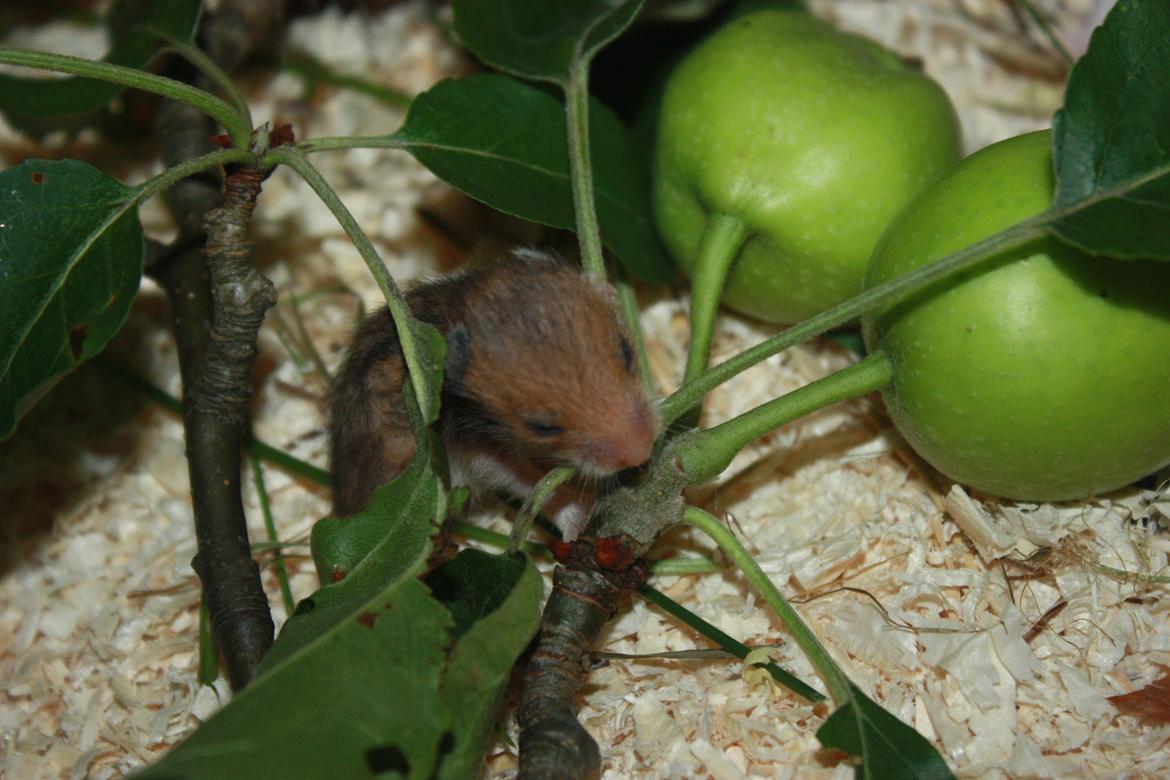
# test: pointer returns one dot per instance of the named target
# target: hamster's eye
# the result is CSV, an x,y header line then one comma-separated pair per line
x,y
543,428
627,355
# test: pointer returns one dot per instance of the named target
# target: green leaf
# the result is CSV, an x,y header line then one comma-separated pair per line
x,y
374,673
432,354
495,601
887,746
130,45
1111,140
503,142
71,254
473,584
360,700
540,40
381,541
351,686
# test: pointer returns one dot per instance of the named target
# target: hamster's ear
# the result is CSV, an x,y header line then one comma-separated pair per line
x,y
458,354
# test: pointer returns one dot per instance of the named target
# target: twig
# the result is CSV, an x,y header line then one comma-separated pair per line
x,y
585,595
213,357
215,418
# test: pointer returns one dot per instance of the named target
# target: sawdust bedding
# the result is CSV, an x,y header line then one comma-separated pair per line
x,y
992,628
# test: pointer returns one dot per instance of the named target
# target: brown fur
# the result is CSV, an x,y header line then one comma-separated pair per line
x,y
531,342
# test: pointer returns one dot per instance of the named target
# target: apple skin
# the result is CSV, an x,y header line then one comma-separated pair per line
x,y
814,138
1042,374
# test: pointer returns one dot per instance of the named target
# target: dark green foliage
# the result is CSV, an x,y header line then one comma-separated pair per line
x,y
349,687
359,699
375,672
495,601
360,557
1111,140
542,40
132,44
887,747
503,142
71,253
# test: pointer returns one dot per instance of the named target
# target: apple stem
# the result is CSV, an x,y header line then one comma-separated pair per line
x,y
705,454
718,248
881,296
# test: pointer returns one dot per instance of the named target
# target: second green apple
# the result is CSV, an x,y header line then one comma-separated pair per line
x,y
784,149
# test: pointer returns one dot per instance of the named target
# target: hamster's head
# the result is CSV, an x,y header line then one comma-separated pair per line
x,y
552,369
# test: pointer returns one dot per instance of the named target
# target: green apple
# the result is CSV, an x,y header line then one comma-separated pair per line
x,y
1042,374
808,141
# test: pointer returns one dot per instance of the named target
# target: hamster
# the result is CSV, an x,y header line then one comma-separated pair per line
x,y
540,372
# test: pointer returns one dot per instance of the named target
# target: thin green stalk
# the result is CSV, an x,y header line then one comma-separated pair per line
x,y
270,527
684,567
1049,33
302,343
403,319
264,451
581,168
172,176
662,568
286,341
332,142
527,515
1121,575
628,302
497,540
671,567
881,296
309,346
207,66
236,124
718,248
208,654
313,71
279,544
836,680
705,454
725,642
292,465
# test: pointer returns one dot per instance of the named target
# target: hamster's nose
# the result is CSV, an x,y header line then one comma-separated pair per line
x,y
635,446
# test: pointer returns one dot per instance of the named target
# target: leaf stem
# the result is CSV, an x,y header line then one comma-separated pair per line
x,y
527,515
883,295
718,248
266,452
313,71
705,454
834,677
330,143
685,567
208,652
1049,33
235,123
497,540
725,642
399,310
207,66
581,168
270,527
170,176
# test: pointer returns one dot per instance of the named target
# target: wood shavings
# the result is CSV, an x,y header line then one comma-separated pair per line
x,y
949,620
